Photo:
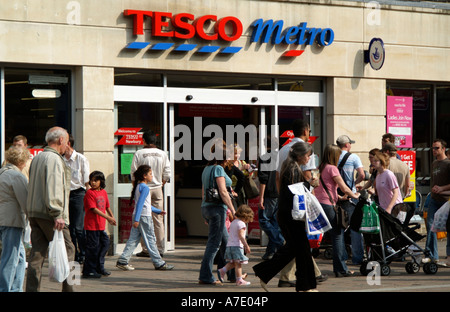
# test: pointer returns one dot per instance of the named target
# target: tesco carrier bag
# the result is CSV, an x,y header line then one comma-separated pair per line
x,y
58,263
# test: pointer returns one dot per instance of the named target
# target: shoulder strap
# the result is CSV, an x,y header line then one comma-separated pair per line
x,y
343,161
328,192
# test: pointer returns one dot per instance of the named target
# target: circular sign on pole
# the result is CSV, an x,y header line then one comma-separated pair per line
x,y
375,55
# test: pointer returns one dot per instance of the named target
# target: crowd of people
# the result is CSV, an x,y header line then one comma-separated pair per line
x,y
338,179
56,191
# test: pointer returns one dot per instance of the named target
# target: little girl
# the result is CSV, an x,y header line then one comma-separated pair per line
x,y
142,222
97,211
237,244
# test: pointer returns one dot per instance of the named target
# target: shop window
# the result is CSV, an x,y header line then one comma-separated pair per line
x,y
36,100
422,126
300,84
127,78
219,82
443,113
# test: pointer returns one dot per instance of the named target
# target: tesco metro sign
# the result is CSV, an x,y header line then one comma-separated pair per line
x,y
187,26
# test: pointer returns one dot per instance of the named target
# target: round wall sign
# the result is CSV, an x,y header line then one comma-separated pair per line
x,y
376,53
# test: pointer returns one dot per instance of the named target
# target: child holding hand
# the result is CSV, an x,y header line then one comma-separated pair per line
x,y
237,245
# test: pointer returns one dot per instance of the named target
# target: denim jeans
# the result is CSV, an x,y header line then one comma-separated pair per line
x,y
431,243
146,231
217,235
355,237
76,224
337,241
269,224
12,262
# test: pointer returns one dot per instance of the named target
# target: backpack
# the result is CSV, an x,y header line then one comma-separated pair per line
x,y
341,172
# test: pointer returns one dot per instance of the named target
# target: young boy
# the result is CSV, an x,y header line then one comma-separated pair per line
x,y
96,206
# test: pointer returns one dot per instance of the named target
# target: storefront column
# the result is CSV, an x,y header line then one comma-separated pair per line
x,y
94,121
357,107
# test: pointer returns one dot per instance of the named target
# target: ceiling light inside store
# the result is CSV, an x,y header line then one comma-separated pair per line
x,y
46,93
43,79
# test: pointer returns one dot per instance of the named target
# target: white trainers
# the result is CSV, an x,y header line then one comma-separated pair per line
x,y
125,267
242,282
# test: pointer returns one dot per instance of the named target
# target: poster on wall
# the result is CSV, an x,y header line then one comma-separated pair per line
x,y
399,119
409,158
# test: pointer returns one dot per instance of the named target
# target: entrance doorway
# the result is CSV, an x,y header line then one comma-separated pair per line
x,y
166,110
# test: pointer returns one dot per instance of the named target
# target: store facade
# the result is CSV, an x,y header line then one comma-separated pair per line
x,y
107,72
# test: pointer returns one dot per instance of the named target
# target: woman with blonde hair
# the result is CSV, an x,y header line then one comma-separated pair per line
x,y
13,200
387,187
327,195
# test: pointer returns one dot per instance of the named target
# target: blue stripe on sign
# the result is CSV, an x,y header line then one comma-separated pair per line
x,y
231,50
185,47
137,45
161,46
208,49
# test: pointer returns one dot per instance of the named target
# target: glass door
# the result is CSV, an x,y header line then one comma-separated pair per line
x,y
131,120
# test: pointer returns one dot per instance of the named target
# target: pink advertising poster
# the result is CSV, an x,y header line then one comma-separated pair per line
x,y
399,119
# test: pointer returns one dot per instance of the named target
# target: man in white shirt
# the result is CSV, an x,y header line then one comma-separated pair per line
x,y
158,160
79,166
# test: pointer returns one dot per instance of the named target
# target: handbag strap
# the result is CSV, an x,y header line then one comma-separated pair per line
x,y
328,192
211,177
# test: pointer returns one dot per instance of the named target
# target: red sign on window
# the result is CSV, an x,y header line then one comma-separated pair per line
x,y
130,136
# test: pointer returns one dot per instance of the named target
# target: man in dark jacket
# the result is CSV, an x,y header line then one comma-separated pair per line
x,y
268,205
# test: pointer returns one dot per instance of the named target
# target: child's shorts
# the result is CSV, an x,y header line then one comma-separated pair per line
x,y
235,254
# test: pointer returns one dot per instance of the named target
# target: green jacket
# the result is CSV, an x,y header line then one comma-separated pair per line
x,y
49,186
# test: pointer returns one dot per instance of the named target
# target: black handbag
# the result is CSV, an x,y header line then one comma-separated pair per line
x,y
342,217
212,194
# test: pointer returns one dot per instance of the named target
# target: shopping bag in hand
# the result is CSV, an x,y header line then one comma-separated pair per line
x,y
370,223
58,263
440,218
316,219
299,204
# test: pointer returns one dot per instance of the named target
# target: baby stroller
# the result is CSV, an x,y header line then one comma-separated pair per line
x,y
394,240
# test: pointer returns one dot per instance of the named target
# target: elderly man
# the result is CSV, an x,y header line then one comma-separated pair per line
x,y
48,204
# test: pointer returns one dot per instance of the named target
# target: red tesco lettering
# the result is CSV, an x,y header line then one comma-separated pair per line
x,y
185,26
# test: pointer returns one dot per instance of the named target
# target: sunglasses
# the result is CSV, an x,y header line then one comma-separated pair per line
x,y
436,148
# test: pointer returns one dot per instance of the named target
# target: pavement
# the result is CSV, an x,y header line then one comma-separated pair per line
x,y
187,257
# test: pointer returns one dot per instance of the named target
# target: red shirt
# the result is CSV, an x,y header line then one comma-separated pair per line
x,y
99,200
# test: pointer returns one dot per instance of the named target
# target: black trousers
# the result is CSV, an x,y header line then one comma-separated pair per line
x,y
97,245
296,246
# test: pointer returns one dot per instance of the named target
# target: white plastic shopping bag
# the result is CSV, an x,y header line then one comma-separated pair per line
x,y
316,219
440,218
299,201
58,263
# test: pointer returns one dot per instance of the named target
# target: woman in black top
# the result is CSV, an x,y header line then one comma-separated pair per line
x,y
294,231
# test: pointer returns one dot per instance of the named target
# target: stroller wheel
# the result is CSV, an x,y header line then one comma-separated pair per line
x,y
412,267
385,270
430,268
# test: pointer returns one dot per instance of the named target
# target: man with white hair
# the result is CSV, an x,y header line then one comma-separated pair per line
x,y
48,204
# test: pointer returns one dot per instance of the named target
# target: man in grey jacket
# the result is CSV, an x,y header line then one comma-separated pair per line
x,y
48,204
